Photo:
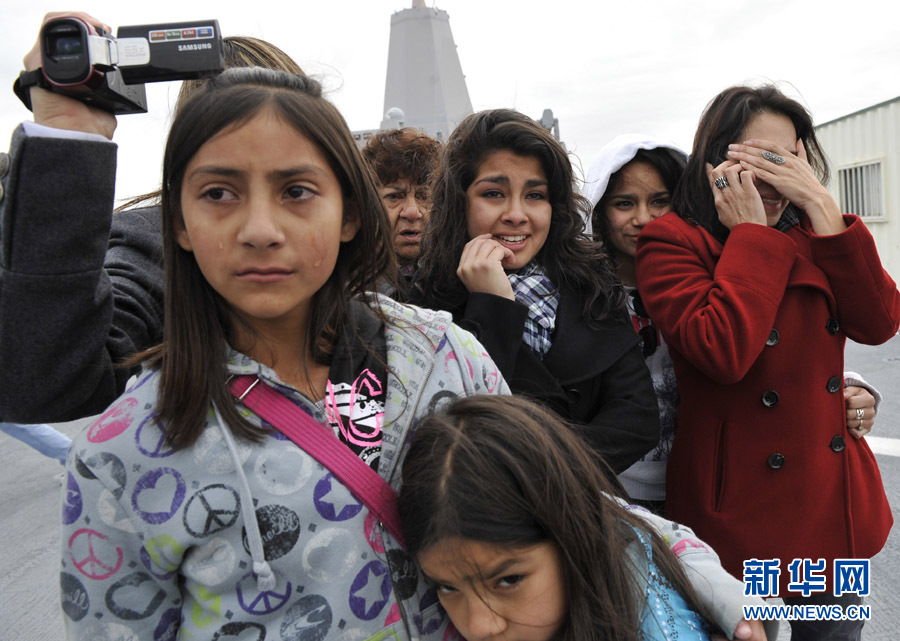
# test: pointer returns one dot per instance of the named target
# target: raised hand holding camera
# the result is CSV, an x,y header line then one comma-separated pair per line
x,y
80,58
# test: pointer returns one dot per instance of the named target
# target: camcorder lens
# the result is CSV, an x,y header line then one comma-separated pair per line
x,y
66,46
65,54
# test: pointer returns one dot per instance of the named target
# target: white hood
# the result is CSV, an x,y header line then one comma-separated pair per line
x,y
615,155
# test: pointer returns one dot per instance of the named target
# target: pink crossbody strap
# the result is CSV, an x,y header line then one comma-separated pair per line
x,y
319,442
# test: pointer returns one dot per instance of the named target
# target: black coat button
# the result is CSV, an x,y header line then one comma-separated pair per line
x,y
773,338
838,444
776,461
770,398
833,326
573,394
835,383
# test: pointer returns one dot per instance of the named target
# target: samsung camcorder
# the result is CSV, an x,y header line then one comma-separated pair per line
x,y
89,64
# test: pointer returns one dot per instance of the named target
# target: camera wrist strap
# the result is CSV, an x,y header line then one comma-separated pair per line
x,y
26,80
319,442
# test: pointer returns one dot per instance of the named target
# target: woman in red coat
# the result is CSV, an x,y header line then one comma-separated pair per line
x,y
755,283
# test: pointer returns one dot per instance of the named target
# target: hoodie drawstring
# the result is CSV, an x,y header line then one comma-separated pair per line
x,y
265,577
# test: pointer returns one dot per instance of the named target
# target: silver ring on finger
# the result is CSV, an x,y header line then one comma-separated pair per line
x,y
721,182
773,157
860,425
860,412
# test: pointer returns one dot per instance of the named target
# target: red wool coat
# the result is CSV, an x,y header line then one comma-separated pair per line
x,y
762,465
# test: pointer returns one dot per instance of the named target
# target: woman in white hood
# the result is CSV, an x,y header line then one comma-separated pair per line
x,y
630,184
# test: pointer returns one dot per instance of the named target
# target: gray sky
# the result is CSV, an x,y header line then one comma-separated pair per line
x,y
603,67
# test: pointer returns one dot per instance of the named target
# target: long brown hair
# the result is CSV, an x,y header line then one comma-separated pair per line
x,y
505,471
569,257
197,320
722,123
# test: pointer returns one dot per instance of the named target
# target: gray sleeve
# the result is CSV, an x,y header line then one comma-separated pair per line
x,y
852,378
70,309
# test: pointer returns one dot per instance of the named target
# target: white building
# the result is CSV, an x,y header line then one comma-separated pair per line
x,y
424,79
425,86
863,149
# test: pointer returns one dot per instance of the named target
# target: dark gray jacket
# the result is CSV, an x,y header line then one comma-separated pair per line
x,y
81,288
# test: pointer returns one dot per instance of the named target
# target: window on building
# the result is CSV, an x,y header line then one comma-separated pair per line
x,y
862,191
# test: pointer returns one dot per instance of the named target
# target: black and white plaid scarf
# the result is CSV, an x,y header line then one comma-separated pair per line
x,y
534,289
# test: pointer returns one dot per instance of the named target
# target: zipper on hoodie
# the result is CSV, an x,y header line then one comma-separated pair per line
x,y
400,607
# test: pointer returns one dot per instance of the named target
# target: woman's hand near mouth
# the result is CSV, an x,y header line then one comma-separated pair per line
x,y
481,267
738,202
